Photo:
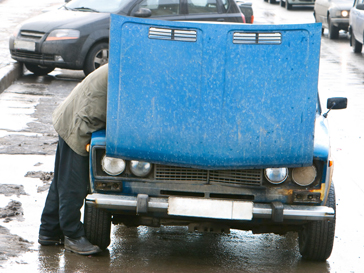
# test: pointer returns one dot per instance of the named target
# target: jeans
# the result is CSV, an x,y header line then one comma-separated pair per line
x,y
61,214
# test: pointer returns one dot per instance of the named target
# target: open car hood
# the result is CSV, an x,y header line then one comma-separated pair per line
x,y
211,95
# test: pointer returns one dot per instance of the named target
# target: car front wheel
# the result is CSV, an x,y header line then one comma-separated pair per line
x,y
97,224
357,46
39,70
316,239
333,30
97,56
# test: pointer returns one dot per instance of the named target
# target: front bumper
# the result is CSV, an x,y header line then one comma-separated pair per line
x,y
144,204
342,23
64,54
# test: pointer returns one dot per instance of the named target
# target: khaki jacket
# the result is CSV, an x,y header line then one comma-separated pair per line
x,y
83,111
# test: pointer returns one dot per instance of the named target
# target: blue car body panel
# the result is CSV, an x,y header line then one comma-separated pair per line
x,y
227,96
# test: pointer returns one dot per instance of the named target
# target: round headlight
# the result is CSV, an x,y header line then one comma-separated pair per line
x,y
112,166
304,176
140,168
276,175
344,13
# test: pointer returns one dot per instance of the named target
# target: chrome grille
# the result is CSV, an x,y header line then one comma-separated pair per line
x,y
237,177
36,36
170,173
246,177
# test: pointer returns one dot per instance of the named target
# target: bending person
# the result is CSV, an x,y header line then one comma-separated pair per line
x,y
82,112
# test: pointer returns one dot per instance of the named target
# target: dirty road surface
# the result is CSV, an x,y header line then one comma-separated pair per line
x,y
27,146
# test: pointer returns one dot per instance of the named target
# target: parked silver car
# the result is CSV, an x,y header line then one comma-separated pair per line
x,y
333,14
356,28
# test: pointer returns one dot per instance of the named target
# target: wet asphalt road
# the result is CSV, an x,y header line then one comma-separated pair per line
x,y
27,143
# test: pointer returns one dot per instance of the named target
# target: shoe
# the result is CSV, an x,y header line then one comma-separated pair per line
x,y
80,246
50,240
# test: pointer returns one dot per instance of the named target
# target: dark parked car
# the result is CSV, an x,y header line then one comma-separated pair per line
x,y
356,29
333,14
247,9
76,36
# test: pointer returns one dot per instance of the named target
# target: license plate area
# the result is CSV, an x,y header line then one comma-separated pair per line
x,y
210,208
24,45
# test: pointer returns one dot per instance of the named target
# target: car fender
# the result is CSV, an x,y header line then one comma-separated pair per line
x,y
94,38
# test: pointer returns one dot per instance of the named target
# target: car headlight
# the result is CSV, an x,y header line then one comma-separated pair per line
x,y
276,175
112,166
304,176
345,13
342,13
63,34
140,168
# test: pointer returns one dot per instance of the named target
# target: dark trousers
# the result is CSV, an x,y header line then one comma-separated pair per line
x,y
61,213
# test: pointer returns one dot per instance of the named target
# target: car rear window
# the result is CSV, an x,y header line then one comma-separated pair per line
x,y
201,6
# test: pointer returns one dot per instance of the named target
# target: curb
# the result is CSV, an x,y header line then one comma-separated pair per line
x,y
9,74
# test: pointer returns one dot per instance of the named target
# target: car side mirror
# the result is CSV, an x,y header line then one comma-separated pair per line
x,y
360,6
335,104
143,13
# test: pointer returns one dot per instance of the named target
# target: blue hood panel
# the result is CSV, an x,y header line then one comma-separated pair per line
x,y
233,96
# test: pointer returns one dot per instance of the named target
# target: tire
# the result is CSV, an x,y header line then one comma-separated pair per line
x,y
39,70
333,30
288,5
316,239
357,46
97,224
283,4
96,57
272,1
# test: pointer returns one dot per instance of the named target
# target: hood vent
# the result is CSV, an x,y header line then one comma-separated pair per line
x,y
172,34
257,38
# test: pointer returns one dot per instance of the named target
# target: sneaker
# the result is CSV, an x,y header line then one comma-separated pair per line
x,y
80,246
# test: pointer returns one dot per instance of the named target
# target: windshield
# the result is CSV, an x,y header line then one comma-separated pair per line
x,y
109,6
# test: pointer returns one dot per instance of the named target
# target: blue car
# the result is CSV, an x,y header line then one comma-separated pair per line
x,y
198,134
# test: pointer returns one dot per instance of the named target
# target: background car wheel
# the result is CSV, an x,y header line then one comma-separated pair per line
x,y
97,56
283,3
316,239
97,224
272,1
38,69
357,46
333,30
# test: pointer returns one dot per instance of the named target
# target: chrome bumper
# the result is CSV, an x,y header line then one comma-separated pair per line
x,y
143,204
